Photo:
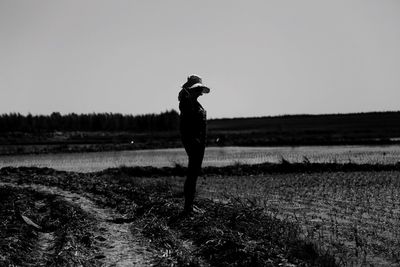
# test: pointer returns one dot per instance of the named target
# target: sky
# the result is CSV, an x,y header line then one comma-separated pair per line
x,y
260,58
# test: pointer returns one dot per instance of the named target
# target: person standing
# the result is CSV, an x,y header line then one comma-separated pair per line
x,y
193,125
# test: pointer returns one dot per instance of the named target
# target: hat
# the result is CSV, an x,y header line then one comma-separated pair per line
x,y
195,82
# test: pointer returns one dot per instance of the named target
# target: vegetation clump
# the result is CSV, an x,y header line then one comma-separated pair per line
x,y
217,234
253,169
62,238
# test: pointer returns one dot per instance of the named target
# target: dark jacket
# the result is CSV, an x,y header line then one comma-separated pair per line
x,y
193,119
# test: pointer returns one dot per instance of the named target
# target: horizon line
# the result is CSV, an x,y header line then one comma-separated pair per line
x,y
213,118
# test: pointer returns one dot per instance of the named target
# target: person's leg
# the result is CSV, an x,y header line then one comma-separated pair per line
x,y
194,168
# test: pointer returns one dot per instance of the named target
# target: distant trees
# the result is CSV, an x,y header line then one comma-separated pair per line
x,y
15,122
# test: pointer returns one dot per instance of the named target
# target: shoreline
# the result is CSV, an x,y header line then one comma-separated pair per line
x,y
46,149
230,170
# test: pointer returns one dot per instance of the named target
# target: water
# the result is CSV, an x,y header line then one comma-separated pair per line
x,y
214,156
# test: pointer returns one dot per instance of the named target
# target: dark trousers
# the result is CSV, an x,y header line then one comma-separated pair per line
x,y
195,151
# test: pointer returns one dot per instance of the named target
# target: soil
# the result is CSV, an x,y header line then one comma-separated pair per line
x,y
114,218
116,244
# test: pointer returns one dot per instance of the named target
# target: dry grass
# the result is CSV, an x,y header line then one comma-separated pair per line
x,y
63,239
350,211
354,215
233,234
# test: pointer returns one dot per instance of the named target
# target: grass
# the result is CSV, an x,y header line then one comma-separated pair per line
x,y
350,210
254,169
16,238
267,214
68,229
353,215
234,234
224,235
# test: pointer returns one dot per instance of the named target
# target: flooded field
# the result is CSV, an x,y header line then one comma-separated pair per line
x,y
214,156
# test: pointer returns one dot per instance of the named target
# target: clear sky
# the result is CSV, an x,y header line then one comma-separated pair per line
x,y
260,58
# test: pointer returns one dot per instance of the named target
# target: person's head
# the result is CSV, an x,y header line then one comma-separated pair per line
x,y
195,87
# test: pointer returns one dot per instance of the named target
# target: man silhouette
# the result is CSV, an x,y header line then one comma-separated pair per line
x,y
193,124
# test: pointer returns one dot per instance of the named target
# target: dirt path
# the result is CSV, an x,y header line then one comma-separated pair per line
x,y
117,246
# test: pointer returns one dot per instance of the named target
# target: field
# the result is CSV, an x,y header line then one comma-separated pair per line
x,y
214,156
249,215
353,215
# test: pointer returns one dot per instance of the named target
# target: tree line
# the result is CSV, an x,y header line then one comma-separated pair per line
x,y
15,122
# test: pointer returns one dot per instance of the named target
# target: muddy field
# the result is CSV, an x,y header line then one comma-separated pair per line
x,y
353,215
286,215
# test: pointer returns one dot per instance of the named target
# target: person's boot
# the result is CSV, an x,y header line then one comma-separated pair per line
x,y
188,207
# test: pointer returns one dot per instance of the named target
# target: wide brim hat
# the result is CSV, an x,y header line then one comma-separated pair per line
x,y
199,87
195,83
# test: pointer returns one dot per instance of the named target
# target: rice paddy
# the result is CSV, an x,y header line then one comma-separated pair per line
x,y
214,156
352,215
